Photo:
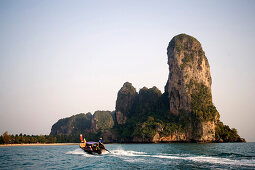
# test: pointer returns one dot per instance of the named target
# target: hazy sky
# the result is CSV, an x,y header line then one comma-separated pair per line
x,y
60,58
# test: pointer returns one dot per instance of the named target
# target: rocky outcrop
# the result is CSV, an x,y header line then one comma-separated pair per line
x,y
75,124
147,100
83,123
175,137
125,102
187,62
185,111
189,86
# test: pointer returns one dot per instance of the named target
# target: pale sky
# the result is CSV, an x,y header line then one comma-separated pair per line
x,y
60,58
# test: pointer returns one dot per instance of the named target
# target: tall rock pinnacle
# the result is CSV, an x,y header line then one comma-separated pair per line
x,y
189,87
187,65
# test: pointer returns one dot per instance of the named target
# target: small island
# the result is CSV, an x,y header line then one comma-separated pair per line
x,y
184,112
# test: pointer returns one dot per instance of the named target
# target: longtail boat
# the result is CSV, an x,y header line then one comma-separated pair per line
x,y
92,147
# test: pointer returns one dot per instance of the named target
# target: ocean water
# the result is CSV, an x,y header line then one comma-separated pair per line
x,y
132,156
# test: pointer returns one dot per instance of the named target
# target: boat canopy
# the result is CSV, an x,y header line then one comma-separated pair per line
x,y
91,143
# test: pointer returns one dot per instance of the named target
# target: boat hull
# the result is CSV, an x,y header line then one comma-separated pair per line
x,y
92,151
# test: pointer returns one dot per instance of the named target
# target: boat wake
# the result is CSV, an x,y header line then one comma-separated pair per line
x,y
208,159
128,155
121,152
135,156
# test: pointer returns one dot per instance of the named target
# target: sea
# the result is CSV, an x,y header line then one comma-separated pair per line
x,y
132,156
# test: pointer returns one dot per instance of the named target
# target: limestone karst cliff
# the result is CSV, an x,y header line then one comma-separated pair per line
x,y
72,125
91,126
125,103
187,65
185,108
189,86
183,113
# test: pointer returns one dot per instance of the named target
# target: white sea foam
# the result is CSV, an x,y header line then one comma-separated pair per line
x,y
124,154
215,160
104,152
130,156
207,159
134,160
121,152
166,156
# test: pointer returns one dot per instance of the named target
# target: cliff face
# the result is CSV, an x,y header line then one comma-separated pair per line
x,y
102,120
125,102
131,104
189,86
91,126
72,125
187,63
147,100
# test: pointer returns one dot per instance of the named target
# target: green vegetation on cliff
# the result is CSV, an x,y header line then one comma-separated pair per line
x,y
91,126
151,126
103,119
147,100
178,42
202,106
151,114
223,133
75,124
146,126
188,59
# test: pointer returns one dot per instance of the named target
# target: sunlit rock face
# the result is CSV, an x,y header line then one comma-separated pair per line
x,y
189,87
187,63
